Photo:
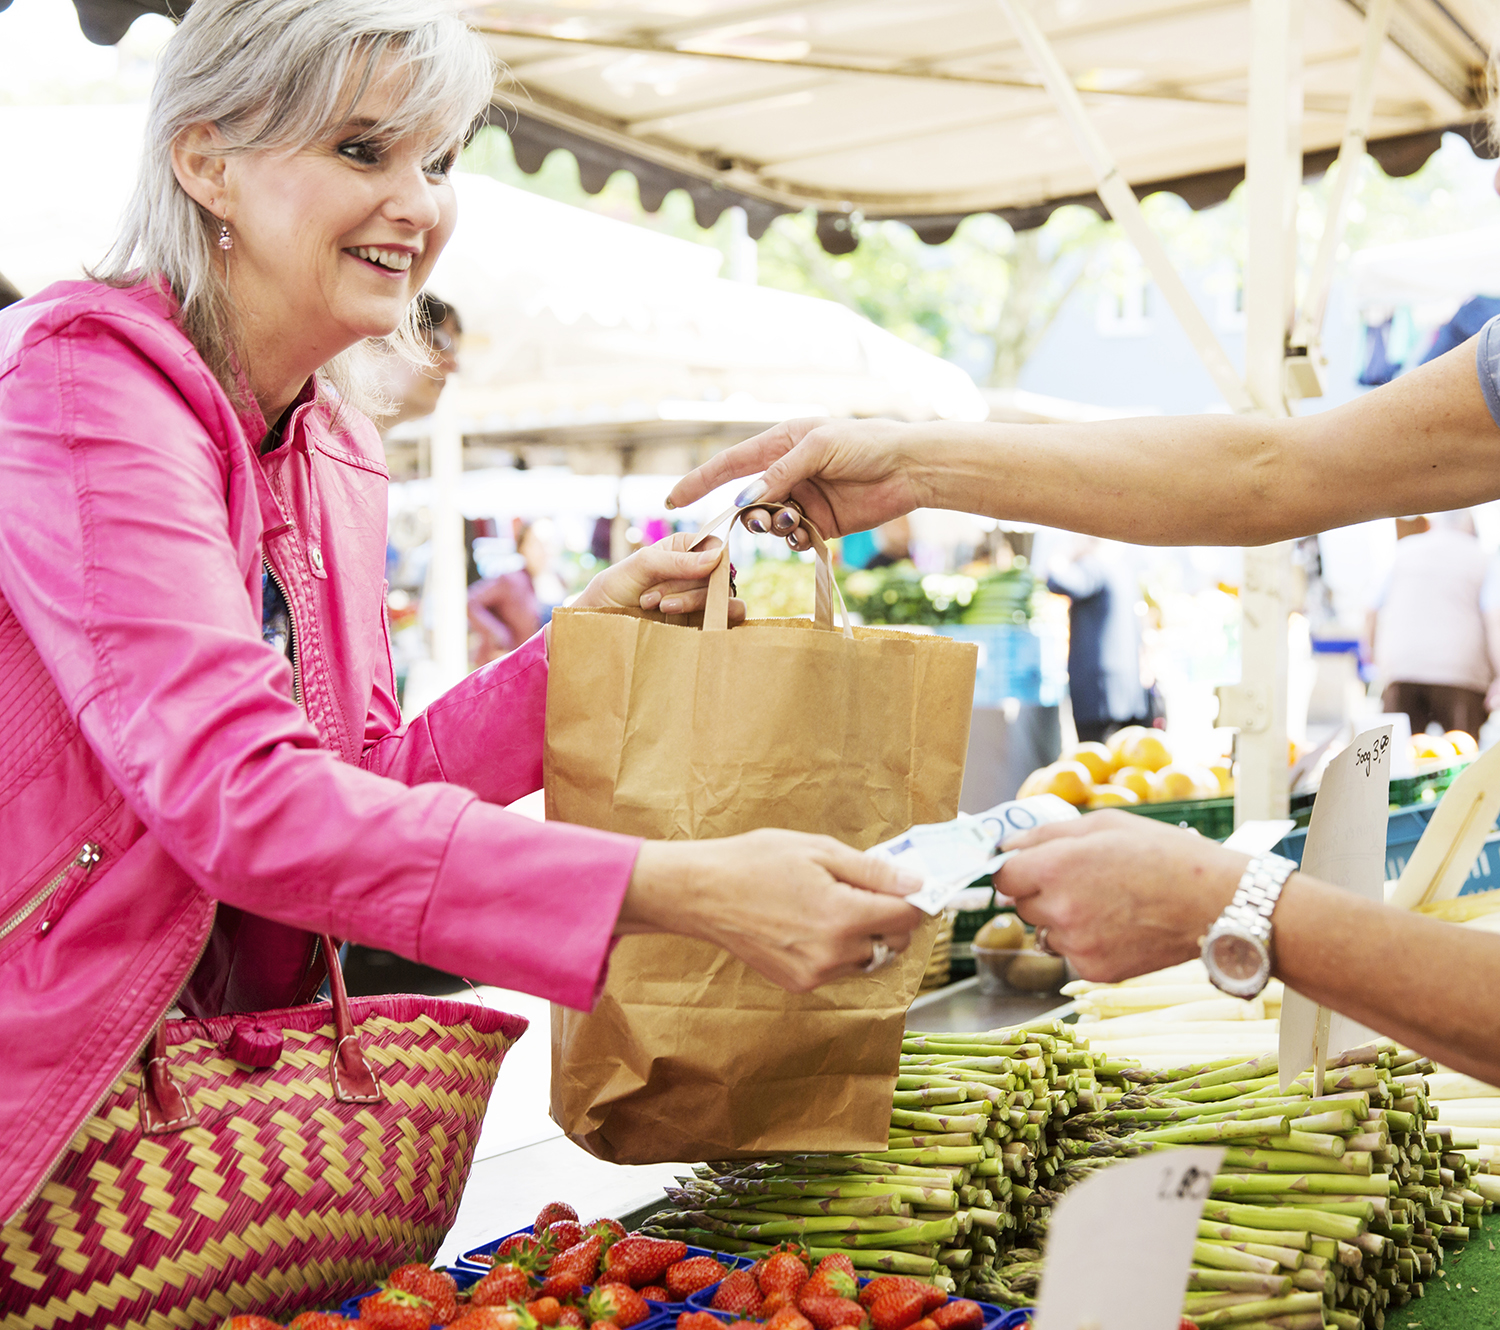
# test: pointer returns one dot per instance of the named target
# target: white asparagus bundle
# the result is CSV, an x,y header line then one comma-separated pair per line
x,y
1470,1113
1212,1010
1455,1085
1189,972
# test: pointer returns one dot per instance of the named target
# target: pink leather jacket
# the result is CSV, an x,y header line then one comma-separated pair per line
x,y
173,825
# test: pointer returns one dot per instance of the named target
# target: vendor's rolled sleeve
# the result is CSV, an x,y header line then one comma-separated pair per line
x,y
1487,353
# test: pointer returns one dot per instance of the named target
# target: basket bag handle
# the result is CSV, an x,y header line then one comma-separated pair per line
x,y
827,593
164,1104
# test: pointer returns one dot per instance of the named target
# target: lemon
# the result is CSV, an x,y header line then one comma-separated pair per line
x,y
1146,750
1069,781
1135,779
1096,757
1117,741
1112,796
1223,772
1463,742
1185,782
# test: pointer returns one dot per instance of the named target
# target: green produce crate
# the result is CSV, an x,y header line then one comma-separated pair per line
x,y
967,923
1212,817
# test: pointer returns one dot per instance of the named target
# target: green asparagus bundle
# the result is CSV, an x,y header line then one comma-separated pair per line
x,y
976,1134
1328,1209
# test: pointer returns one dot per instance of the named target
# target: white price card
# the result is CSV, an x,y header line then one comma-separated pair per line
x,y
1119,1246
948,856
1460,825
1345,846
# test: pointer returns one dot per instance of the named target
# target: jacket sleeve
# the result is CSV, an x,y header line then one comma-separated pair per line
x,y
118,558
484,733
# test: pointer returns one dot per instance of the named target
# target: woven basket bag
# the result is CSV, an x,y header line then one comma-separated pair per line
x,y
267,1163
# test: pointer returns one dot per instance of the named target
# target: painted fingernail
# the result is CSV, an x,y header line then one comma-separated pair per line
x,y
758,524
784,521
754,490
670,504
651,600
671,607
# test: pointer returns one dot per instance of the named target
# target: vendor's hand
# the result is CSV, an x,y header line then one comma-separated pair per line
x,y
1119,894
846,475
666,576
802,910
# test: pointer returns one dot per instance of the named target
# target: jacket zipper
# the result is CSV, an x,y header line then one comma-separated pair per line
x,y
109,1087
86,858
291,619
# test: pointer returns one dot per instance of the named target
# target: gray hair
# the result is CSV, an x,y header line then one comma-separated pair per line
x,y
277,75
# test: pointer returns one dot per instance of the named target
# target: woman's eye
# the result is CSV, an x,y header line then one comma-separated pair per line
x,y
439,169
359,151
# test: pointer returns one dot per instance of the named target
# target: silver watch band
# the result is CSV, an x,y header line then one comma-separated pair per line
x,y
1258,891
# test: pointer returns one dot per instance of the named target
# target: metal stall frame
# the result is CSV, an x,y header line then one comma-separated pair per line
x,y
1282,356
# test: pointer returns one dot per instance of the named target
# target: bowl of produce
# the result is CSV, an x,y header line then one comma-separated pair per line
x,y
1007,961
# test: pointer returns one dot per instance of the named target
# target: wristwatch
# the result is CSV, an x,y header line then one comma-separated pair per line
x,y
1237,949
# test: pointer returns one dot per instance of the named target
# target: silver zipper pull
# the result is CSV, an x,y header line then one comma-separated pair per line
x,y
88,856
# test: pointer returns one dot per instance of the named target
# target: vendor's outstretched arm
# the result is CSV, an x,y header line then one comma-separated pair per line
x,y
1425,443
1122,896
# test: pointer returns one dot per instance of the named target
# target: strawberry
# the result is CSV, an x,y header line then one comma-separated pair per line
x,y
618,1303
563,1234
643,1260
960,1314
926,1323
603,1325
698,1321
492,1318
829,1282
782,1272
581,1260
565,1288
524,1250
836,1260
655,1293
738,1293
395,1309
788,1318
573,1318
608,1231
896,1310
320,1321
932,1297
828,1313
502,1286
774,1302
883,1284
545,1311
692,1274
551,1213
250,1323
434,1285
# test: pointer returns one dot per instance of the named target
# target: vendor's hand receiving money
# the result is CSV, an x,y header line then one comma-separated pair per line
x,y
1119,894
800,909
667,576
846,475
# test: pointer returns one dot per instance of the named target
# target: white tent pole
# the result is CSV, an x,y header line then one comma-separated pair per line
x,y
447,573
1345,176
1124,207
1273,175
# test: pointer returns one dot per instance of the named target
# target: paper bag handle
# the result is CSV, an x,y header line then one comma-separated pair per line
x,y
826,593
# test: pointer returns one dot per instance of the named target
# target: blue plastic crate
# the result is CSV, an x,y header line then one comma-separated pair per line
x,y
1404,828
1010,661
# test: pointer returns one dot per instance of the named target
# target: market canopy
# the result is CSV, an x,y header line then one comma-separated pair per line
x,y
928,110
583,333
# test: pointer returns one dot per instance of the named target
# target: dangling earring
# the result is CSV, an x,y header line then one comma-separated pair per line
x,y
226,241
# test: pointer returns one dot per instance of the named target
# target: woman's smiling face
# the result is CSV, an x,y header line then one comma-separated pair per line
x,y
332,241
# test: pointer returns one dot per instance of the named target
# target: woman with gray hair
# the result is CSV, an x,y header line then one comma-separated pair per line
x,y
203,761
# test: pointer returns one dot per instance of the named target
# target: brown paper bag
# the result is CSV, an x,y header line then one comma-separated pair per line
x,y
663,730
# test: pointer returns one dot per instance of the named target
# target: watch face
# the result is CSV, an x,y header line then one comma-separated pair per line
x,y
1242,965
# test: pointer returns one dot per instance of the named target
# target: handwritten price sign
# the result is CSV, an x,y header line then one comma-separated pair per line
x,y
1368,757
1119,1246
